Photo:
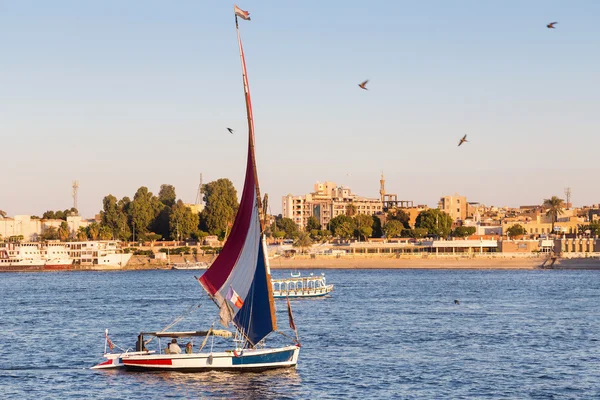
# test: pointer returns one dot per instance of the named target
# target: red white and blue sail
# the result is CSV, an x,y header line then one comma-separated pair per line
x,y
239,279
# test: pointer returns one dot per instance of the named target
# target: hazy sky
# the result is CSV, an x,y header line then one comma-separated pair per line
x,y
123,94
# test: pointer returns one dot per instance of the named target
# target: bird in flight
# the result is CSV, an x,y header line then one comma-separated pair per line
x,y
364,85
551,25
464,139
456,302
230,130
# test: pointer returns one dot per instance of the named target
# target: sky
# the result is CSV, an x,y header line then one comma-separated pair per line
x,y
120,95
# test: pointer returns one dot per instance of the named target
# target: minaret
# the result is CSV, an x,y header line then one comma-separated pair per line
x,y
382,187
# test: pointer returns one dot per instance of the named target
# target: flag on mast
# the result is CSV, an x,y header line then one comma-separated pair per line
x,y
290,315
241,13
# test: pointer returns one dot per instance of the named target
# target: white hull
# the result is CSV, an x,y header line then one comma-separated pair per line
x,y
318,292
186,266
246,360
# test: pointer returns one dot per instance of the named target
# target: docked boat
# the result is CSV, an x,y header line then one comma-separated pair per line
x,y
299,287
33,256
190,265
239,283
98,254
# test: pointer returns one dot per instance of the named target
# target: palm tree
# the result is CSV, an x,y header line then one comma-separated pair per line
x,y
554,208
303,241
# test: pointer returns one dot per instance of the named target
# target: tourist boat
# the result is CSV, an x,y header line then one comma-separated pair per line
x,y
98,254
34,256
190,265
300,287
57,256
239,283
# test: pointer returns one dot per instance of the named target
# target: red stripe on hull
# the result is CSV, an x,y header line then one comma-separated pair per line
x,y
56,267
161,361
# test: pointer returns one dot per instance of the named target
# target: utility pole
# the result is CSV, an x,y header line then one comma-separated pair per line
x,y
74,193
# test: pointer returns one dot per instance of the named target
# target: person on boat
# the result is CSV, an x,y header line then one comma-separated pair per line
x,y
188,348
173,347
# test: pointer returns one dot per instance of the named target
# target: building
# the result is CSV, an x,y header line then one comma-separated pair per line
x,y
327,201
457,207
32,229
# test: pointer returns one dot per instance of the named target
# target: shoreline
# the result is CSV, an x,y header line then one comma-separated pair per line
x,y
303,262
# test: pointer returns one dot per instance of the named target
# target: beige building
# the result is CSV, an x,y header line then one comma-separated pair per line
x,y
31,229
327,201
457,207
540,224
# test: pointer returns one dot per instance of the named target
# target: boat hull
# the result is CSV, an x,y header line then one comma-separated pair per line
x,y
246,360
297,294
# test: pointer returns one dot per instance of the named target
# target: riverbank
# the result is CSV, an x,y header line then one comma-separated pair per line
x,y
368,262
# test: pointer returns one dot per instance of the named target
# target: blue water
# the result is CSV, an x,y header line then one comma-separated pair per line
x,y
383,334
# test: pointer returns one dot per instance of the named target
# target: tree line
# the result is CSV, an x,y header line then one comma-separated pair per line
x,y
154,217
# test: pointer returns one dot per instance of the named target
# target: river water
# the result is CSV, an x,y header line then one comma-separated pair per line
x,y
382,334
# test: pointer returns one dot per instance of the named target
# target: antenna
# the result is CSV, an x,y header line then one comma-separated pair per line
x,y
74,193
199,194
568,195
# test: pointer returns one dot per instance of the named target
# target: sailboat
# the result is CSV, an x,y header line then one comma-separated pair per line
x,y
239,283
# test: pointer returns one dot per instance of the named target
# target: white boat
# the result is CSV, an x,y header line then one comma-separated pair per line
x,y
190,265
239,283
98,254
21,257
300,287
57,256
34,256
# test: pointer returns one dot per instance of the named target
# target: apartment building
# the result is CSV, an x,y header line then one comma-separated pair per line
x,y
327,201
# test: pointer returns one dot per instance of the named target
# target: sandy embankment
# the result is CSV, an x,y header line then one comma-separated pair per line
x,y
360,262
365,262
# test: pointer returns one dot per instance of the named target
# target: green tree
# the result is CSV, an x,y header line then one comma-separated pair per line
x,y
334,223
183,221
50,233
288,226
393,229
418,233
303,241
516,230
312,223
554,207
114,218
364,225
437,222
278,235
82,234
399,215
93,230
166,195
377,229
345,230
464,231
105,233
63,231
144,208
222,205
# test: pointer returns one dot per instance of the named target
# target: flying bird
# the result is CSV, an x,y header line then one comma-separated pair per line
x,y
364,85
230,130
551,25
464,139
456,302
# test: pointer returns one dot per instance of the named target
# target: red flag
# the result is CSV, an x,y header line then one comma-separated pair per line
x,y
109,342
241,13
290,315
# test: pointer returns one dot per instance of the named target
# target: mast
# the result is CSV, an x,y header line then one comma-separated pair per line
x,y
253,155
249,116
